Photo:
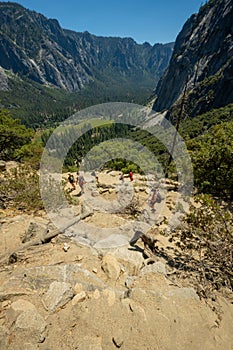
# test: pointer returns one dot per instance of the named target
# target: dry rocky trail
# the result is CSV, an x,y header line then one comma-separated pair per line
x,y
86,287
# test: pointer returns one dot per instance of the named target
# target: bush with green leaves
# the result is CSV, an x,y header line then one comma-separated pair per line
x,y
13,135
30,153
212,158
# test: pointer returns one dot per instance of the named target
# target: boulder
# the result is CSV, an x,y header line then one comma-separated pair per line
x,y
78,298
17,308
58,294
111,267
131,259
31,324
25,321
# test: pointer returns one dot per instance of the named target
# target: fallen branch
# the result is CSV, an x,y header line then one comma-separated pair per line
x,y
11,257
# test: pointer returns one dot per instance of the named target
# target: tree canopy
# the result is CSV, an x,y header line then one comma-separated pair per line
x,y
13,135
212,157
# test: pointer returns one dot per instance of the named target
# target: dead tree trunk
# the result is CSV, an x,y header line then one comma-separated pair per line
x,y
11,257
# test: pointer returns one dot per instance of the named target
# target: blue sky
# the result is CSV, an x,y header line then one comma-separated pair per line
x,y
146,20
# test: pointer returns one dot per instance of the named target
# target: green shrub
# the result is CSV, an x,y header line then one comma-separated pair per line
x,y
212,158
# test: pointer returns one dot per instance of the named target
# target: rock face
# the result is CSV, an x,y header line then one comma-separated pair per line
x,y
40,49
202,56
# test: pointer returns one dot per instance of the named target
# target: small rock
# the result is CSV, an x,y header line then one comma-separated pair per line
x,y
129,282
59,294
111,267
54,240
95,193
96,294
78,298
66,247
78,288
104,190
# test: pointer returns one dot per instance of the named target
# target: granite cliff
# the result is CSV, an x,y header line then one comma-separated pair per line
x,y
202,58
36,47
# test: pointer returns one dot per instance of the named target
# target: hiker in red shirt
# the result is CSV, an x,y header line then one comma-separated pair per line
x,y
131,175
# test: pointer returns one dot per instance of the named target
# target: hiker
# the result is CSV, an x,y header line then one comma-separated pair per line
x,y
80,181
159,198
153,199
71,181
121,178
131,175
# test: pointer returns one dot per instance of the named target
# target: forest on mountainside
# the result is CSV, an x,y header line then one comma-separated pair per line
x,y
208,138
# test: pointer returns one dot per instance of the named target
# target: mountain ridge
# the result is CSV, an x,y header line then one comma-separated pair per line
x,y
42,50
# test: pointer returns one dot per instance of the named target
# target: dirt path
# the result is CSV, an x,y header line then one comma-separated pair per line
x,y
90,290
